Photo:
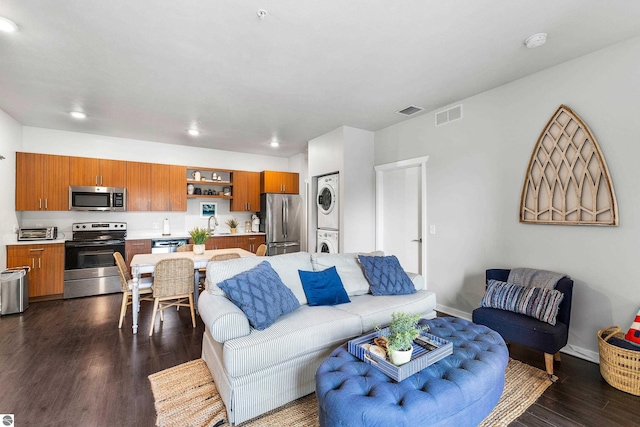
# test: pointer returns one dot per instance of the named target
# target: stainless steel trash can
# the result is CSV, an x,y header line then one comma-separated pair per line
x,y
14,290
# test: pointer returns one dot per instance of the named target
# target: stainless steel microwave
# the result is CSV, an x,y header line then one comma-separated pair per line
x,y
97,199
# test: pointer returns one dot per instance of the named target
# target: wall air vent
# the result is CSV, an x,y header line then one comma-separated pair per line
x,y
449,115
410,110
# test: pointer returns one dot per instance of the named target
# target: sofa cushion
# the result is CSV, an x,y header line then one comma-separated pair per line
x,y
323,287
539,303
386,276
376,310
260,294
286,265
303,331
222,270
348,269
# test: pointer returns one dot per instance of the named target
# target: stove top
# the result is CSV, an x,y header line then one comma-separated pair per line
x,y
99,230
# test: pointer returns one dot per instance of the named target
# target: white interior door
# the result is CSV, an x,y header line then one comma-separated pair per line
x,y
401,212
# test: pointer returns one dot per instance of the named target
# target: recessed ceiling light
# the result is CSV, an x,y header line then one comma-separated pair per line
x,y
261,13
193,132
275,143
536,40
78,115
7,26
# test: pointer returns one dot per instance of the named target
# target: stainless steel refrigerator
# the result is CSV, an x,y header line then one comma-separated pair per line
x,y
280,220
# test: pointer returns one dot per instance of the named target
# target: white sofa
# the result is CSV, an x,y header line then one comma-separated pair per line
x,y
256,371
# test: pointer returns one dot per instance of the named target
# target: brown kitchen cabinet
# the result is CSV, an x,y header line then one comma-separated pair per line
x,y
97,172
138,186
246,191
279,182
168,189
46,268
250,242
134,247
221,242
42,182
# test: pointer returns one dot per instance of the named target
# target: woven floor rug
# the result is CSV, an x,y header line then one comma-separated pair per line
x,y
186,396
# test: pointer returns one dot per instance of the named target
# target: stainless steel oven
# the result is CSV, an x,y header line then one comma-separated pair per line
x,y
89,266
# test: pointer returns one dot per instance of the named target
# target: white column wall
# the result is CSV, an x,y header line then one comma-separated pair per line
x,y
10,142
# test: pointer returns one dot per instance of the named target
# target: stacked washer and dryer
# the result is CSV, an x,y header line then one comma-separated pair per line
x,y
328,213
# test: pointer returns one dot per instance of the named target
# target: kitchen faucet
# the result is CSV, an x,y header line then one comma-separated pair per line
x,y
215,220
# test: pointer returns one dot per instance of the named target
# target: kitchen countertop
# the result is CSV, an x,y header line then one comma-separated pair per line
x,y
131,235
15,241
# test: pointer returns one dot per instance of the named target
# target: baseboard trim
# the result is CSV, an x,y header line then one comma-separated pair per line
x,y
570,349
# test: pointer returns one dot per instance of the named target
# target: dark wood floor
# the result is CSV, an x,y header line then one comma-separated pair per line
x,y
66,363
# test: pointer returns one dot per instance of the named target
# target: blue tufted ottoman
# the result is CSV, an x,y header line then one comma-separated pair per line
x,y
459,390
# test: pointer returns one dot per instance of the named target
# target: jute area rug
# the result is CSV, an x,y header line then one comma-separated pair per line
x,y
185,395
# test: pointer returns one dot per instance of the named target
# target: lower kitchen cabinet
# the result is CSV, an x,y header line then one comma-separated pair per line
x,y
247,242
46,268
134,247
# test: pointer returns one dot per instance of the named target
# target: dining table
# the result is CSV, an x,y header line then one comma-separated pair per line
x,y
145,263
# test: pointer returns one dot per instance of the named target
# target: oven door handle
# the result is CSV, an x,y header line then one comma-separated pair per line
x,y
96,243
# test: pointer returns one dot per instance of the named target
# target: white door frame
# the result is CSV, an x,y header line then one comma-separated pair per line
x,y
403,164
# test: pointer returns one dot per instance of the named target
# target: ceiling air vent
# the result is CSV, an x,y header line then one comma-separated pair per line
x,y
449,115
410,110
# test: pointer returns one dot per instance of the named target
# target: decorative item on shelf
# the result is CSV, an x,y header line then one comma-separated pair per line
x,y
403,329
196,175
210,192
226,191
247,226
203,179
197,191
219,178
233,225
190,189
199,236
214,177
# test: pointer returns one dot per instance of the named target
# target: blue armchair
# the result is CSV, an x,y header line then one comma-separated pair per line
x,y
527,331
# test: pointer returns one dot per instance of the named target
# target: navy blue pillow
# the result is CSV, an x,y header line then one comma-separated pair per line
x,y
260,294
386,276
323,287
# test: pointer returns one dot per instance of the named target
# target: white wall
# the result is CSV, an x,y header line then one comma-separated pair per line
x,y
475,174
48,141
10,142
348,151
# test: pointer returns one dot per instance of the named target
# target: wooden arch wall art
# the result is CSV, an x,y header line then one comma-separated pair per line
x,y
567,181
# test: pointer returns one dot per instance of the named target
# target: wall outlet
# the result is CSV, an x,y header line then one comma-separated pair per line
x,y
15,228
156,225
432,229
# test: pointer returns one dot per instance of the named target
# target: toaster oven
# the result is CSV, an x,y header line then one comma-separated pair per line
x,y
38,233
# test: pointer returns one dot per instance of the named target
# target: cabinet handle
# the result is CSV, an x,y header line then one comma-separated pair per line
x,y
137,244
39,262
33,263
36,250
149,205
46,205
96,179
39,203
100,179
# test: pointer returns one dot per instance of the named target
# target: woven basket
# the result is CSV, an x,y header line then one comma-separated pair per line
x,y
618,366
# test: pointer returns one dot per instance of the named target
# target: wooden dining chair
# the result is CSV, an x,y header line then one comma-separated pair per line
x,y
144,285
172,287
185,248
262,250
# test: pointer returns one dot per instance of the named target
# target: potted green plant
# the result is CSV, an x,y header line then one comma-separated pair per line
x,y
403,329
233,224
199,236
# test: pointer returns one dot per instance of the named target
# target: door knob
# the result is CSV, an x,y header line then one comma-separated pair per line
x,y
417,240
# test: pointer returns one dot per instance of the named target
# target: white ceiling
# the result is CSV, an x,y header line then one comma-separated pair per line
x,y
147,69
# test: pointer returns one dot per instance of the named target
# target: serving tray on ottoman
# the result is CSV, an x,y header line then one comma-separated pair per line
x,y
420,358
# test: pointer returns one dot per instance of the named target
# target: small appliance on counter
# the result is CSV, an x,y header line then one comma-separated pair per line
x,y
38,233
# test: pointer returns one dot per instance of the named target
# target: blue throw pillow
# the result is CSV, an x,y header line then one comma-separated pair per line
x,y
323,287
386,276
539,303
260,294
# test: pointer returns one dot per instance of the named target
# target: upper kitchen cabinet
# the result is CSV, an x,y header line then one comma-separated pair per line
x,y
97,172
42,182
246,191
138,186
168,188
155,187
279,182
